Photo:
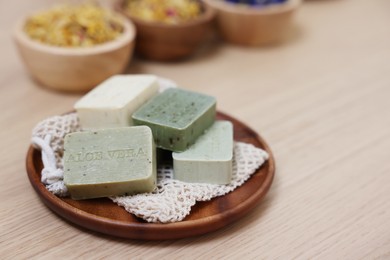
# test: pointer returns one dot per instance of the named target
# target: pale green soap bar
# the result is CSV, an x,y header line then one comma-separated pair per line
x,y
109,162
210,159
177,117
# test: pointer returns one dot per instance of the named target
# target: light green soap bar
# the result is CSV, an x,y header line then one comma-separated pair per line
x,y
109,162
177,117
210,159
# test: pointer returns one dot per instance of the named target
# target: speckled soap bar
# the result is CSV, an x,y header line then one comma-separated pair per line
x,y
209,160
177,117
109,162
112,103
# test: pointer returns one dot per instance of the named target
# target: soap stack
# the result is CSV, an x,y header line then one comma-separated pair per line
x,y
124,119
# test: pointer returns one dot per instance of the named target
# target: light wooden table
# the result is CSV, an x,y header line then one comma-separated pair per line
x,y
322,102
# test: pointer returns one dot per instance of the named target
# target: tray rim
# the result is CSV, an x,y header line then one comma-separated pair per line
x,y
139,230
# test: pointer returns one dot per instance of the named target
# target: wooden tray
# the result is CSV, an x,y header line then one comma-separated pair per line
x,y
102,215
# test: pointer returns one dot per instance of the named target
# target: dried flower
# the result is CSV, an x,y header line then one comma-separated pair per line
x,y
74,26
169,11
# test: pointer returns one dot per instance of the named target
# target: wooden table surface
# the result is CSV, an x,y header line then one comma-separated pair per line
x,y
322,103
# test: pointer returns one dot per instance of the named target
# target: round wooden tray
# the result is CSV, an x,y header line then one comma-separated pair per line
x,y
102,215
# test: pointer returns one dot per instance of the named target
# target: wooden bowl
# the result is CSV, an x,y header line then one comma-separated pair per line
x,y
75,68
168,42
245,25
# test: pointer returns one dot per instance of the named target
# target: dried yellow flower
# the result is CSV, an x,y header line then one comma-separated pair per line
x,y
169,11
74,26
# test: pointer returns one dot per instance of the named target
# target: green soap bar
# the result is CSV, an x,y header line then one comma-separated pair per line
x,y
177,117
109,162
210,159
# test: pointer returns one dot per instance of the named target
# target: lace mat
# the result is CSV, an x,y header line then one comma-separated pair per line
x,y
171,201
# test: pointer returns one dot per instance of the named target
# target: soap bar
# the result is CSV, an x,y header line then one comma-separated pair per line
x,y
209,160
109,162
112,103
177,117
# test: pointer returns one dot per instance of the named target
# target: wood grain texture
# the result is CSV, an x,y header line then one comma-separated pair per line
x,y
322,103
103,216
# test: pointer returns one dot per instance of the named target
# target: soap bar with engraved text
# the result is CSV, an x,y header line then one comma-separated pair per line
x,y
209,160
109,162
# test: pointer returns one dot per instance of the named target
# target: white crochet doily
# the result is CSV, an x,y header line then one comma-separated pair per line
x,y
171,201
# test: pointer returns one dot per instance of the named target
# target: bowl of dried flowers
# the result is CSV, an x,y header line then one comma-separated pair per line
x,y
254,22
74,47
168,30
